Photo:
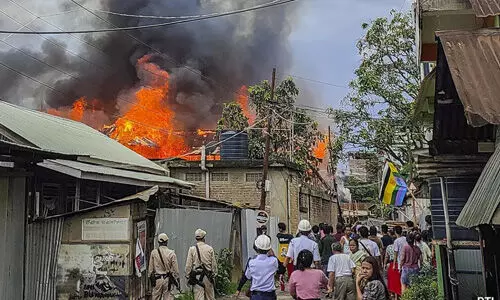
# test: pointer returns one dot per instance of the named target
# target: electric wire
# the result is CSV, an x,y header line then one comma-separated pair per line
x,y
317,81
282,2
141,16
53,43
36,17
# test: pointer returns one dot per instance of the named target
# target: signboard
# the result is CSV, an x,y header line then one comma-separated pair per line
x,y
140,257
262,218
105,229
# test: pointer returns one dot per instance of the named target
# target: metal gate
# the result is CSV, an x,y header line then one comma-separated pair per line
x,y
180,225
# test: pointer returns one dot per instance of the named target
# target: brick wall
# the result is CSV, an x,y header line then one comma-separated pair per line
x,y
235,190
284,194
318,207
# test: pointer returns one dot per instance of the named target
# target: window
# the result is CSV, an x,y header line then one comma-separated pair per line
x,y
253,177
220,177
193,177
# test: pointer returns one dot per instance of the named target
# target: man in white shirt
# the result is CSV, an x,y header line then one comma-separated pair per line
x,y
341,268
302,242
399,243
370,247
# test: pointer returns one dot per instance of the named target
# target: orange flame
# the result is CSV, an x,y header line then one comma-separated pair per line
x,y
204,133
148,126
242,100
319,150
75,113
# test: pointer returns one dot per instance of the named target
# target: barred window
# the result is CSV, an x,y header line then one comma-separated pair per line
x,y
253,177
220,177
193,177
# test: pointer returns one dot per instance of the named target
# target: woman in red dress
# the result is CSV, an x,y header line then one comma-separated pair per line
x,y
393,275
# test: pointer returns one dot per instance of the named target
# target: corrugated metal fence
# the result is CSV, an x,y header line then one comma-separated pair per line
x,y
180,225
12,200
249,233
469,273
42,241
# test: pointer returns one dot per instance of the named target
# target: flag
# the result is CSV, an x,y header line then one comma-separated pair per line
x,y
393,190
140,259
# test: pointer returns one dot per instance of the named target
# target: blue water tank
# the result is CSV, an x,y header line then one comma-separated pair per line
x,y
233,147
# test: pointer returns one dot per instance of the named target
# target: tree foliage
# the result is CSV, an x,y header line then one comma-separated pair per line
x,y
284,116
232,118
378,113
360,190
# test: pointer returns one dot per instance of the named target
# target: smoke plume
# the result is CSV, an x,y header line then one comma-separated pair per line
x,y
208,61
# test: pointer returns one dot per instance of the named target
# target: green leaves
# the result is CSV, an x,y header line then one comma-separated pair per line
x,y
285,120
232,118
285,115
377,113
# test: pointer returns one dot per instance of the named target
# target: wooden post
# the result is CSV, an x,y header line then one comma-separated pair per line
x,y
265,168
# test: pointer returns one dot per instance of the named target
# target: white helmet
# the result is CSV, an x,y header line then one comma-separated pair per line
x,y
304,225
263,242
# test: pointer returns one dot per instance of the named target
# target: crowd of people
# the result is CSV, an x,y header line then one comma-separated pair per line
x,y
348,263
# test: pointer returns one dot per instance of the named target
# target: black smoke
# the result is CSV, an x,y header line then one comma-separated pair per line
x,y
208,60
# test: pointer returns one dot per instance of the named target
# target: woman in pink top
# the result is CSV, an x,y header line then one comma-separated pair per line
x,y
306,283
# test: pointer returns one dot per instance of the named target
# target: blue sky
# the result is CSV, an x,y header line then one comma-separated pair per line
x,y
323,44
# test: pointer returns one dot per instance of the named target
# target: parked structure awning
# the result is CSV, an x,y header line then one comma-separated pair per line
x,y
101,173
486,8
474,61
482,205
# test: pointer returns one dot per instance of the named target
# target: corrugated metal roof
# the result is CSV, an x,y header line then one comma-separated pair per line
x,y
101,173
485,8
474,61
444,5
484,199
65,136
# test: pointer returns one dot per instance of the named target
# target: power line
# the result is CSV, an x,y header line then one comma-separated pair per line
x,y
58,28
171,17
50,41
318,81
157,51
140,16
68,74
272,4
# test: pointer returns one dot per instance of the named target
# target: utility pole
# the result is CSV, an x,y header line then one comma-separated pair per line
x,y
265,168
292,125
333,167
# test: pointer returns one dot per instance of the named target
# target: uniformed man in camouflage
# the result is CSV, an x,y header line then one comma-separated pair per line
x,y
201,273
163,263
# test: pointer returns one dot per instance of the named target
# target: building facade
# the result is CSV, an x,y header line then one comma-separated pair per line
x,y
239,182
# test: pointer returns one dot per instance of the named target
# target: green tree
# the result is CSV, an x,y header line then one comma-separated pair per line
x,y
284,116
378,112
362,191
232,118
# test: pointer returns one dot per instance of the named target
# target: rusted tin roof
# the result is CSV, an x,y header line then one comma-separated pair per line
x,y
474,61
486,8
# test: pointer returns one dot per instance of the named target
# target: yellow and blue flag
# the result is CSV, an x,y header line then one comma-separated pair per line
x,y
393,190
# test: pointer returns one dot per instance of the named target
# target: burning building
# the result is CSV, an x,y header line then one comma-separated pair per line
x,y
145,87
